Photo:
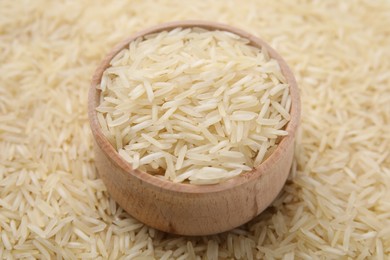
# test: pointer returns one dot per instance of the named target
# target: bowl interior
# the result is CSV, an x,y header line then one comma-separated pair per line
x,y
148,179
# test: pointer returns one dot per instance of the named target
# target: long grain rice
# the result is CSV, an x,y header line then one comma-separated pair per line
x,y
339,188
200,106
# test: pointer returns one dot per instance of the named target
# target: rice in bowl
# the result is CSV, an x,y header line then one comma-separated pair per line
x,y
193,105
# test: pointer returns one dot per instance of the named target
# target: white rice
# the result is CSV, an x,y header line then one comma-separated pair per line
x,y
201,103
338,190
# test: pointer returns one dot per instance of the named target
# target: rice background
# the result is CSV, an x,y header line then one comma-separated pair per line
x,y
336,204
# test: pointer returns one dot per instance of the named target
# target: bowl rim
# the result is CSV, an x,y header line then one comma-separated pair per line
x,y
153,182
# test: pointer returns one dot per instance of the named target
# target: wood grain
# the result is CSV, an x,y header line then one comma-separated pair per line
x,y
184,208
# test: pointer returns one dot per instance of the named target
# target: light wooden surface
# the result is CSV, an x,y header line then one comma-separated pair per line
x,y
184,208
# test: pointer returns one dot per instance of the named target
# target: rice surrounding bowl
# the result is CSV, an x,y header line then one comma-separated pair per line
x,y
336,202
193,104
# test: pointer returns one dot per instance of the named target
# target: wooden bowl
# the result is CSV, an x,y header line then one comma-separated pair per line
x,y
188,209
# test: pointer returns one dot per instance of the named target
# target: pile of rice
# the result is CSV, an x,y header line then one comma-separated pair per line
x,y
192,104
336,201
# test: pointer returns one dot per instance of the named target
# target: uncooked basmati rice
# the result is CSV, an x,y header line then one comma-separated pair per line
x,y
339,186
220,91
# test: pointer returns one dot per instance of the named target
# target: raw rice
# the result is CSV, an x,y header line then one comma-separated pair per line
x,y
338,189
202,104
